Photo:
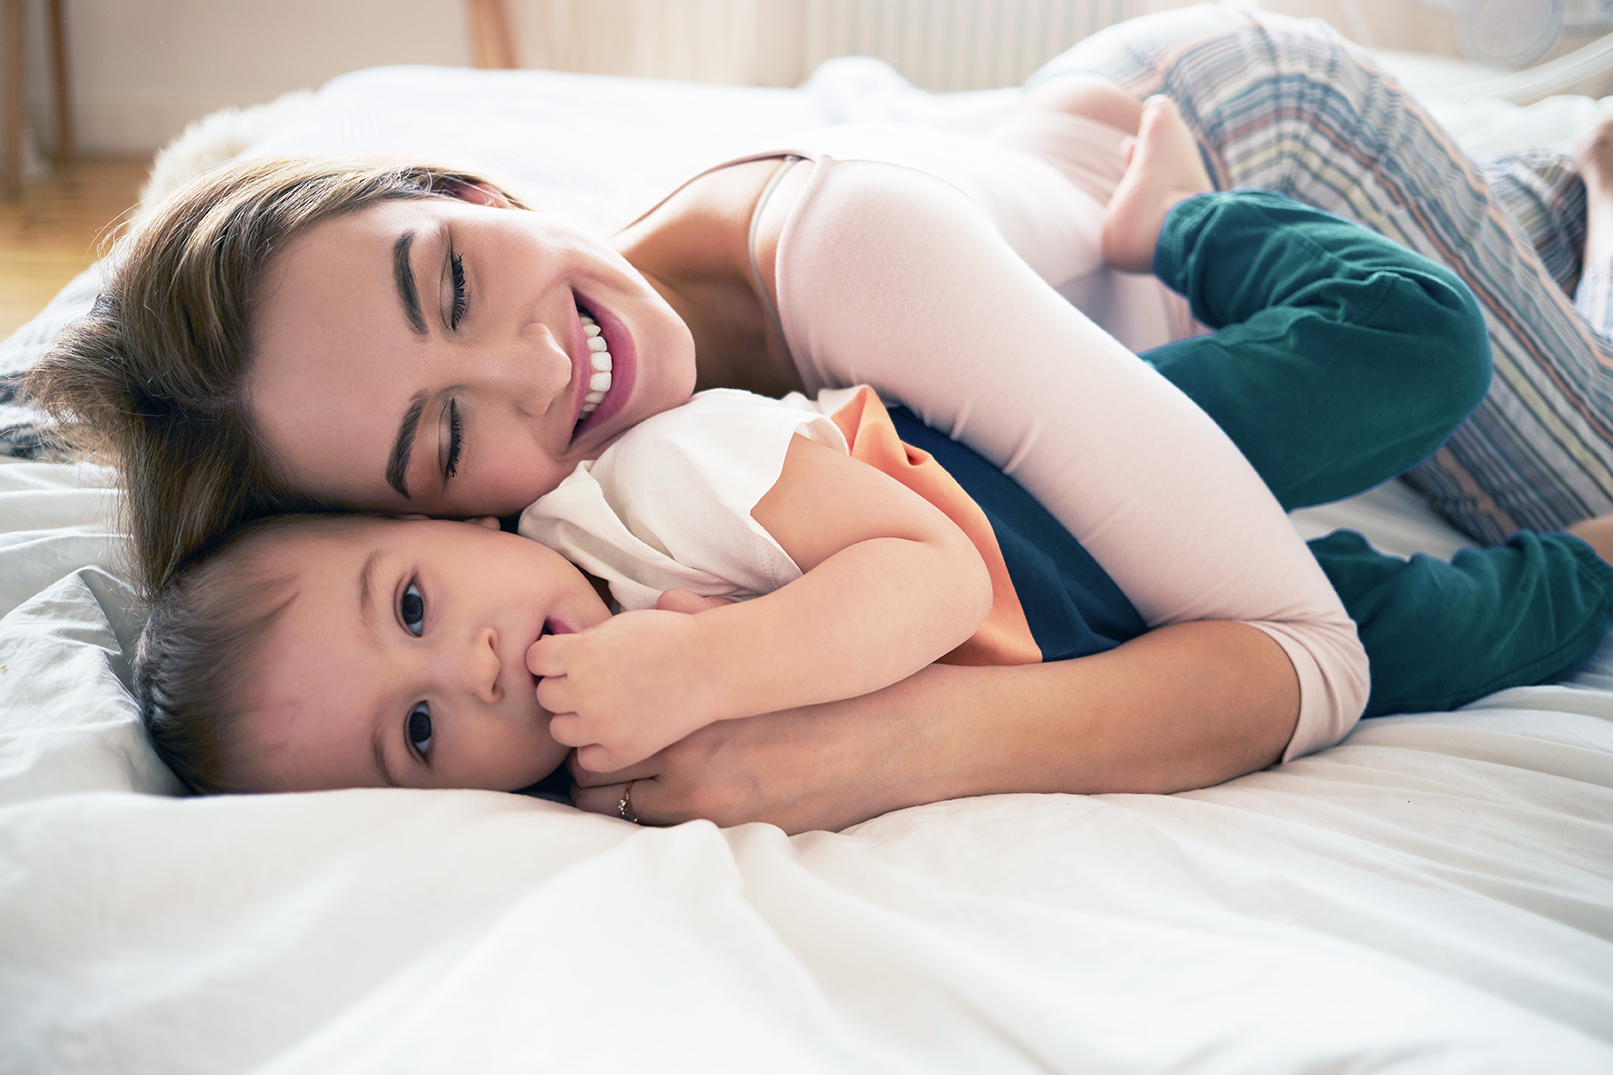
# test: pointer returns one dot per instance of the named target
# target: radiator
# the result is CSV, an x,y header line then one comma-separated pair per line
x,y
937,44
955,44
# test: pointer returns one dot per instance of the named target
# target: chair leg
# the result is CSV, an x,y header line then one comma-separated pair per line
x,y
491,41
16,88
64,100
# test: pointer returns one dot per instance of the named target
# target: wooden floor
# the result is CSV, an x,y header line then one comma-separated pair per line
x,y
58,229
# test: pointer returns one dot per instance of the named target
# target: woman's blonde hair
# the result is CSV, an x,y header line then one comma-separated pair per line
x,y
152,380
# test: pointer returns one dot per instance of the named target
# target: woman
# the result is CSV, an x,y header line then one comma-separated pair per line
x,y
1190,703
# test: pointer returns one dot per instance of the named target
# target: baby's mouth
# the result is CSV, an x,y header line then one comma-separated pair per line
x,y
599,360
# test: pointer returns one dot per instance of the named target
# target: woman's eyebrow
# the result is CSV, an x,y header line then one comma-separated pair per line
x,y
397,463
403,273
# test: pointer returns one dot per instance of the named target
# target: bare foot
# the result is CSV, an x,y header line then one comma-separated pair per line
x,y
1593,150
1164,168
1597,533
1089,96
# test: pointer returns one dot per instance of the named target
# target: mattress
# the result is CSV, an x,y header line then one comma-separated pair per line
x,y
1433,894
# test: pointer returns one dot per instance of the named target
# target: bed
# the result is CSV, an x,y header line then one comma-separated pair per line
x,y
1433,894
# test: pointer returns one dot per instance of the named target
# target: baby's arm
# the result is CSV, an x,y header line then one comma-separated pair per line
x,y
890,585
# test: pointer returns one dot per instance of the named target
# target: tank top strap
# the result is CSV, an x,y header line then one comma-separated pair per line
x,y
790,160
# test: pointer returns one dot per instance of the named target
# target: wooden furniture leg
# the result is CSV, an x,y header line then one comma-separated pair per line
x,y
16,88
64,104
491,42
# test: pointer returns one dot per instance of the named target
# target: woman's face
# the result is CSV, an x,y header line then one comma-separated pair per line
x,y
431,356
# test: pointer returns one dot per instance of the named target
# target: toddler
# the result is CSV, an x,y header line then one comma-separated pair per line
x,y
346,650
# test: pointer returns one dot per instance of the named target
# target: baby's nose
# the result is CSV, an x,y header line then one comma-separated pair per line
x,y
480,667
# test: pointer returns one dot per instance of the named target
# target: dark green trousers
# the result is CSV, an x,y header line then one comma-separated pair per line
x,y
1339,360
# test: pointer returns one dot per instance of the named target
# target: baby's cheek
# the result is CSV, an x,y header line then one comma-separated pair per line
x,y
545,751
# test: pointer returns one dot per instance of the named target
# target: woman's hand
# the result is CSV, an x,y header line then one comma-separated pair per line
x,y
803,769
1182,707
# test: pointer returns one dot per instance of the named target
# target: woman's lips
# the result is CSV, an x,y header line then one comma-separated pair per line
x,y
619,345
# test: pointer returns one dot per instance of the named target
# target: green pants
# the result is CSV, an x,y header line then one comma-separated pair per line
x,y
1339,360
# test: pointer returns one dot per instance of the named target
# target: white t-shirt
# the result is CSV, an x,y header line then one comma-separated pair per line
x,y
668,503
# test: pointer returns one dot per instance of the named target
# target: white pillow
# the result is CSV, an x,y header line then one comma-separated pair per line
x,y
71,724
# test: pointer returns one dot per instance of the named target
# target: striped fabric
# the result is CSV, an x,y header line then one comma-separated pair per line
x,y
1544,193
1288,105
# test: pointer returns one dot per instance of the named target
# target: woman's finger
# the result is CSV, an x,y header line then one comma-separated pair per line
x,y
629,800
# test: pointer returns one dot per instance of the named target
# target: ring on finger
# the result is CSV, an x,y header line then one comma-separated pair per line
x,y
624,806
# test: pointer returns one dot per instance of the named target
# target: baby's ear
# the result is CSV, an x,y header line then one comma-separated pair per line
x,y
477,193
488,521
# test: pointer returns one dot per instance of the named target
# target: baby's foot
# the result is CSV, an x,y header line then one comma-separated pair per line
x,y
1593,151
1597,533
1164,167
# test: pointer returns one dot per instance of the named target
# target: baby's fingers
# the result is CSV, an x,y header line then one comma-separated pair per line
x,y
606,758
572,730
555,693
546,656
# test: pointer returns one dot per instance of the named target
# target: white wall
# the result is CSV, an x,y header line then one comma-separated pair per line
x,y
142,69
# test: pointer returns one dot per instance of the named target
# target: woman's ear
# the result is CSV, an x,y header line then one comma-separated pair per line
x,y
477,193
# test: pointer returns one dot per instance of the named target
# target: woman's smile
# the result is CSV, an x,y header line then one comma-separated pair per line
x,y
607,377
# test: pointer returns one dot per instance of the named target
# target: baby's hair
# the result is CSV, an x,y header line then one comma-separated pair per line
x,y
152,379
200,647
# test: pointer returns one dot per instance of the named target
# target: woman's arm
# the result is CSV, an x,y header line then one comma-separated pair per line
x,y
893,278
1182,707
890,584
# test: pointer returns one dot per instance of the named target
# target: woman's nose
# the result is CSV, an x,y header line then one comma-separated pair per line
x,y
534,369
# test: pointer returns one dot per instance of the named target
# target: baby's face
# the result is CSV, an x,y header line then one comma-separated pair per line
x,y
401,660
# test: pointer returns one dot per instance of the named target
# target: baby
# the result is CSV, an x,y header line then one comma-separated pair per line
x,y
346,651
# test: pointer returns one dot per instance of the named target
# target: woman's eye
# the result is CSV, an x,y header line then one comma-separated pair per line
x,y
419,729
456,441
412,610
456,267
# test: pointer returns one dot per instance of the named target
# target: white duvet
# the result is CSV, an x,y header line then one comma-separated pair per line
x,y
1433,895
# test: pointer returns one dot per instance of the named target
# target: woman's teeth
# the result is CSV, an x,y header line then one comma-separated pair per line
x,y
599,358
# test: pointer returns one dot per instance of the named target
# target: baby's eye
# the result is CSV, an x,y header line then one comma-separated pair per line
x,y
412,609
420,728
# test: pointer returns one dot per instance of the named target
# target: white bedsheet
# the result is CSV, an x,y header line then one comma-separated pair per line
x,y
1433,895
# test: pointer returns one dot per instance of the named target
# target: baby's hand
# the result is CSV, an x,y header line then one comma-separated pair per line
x,y
678,600
621,691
